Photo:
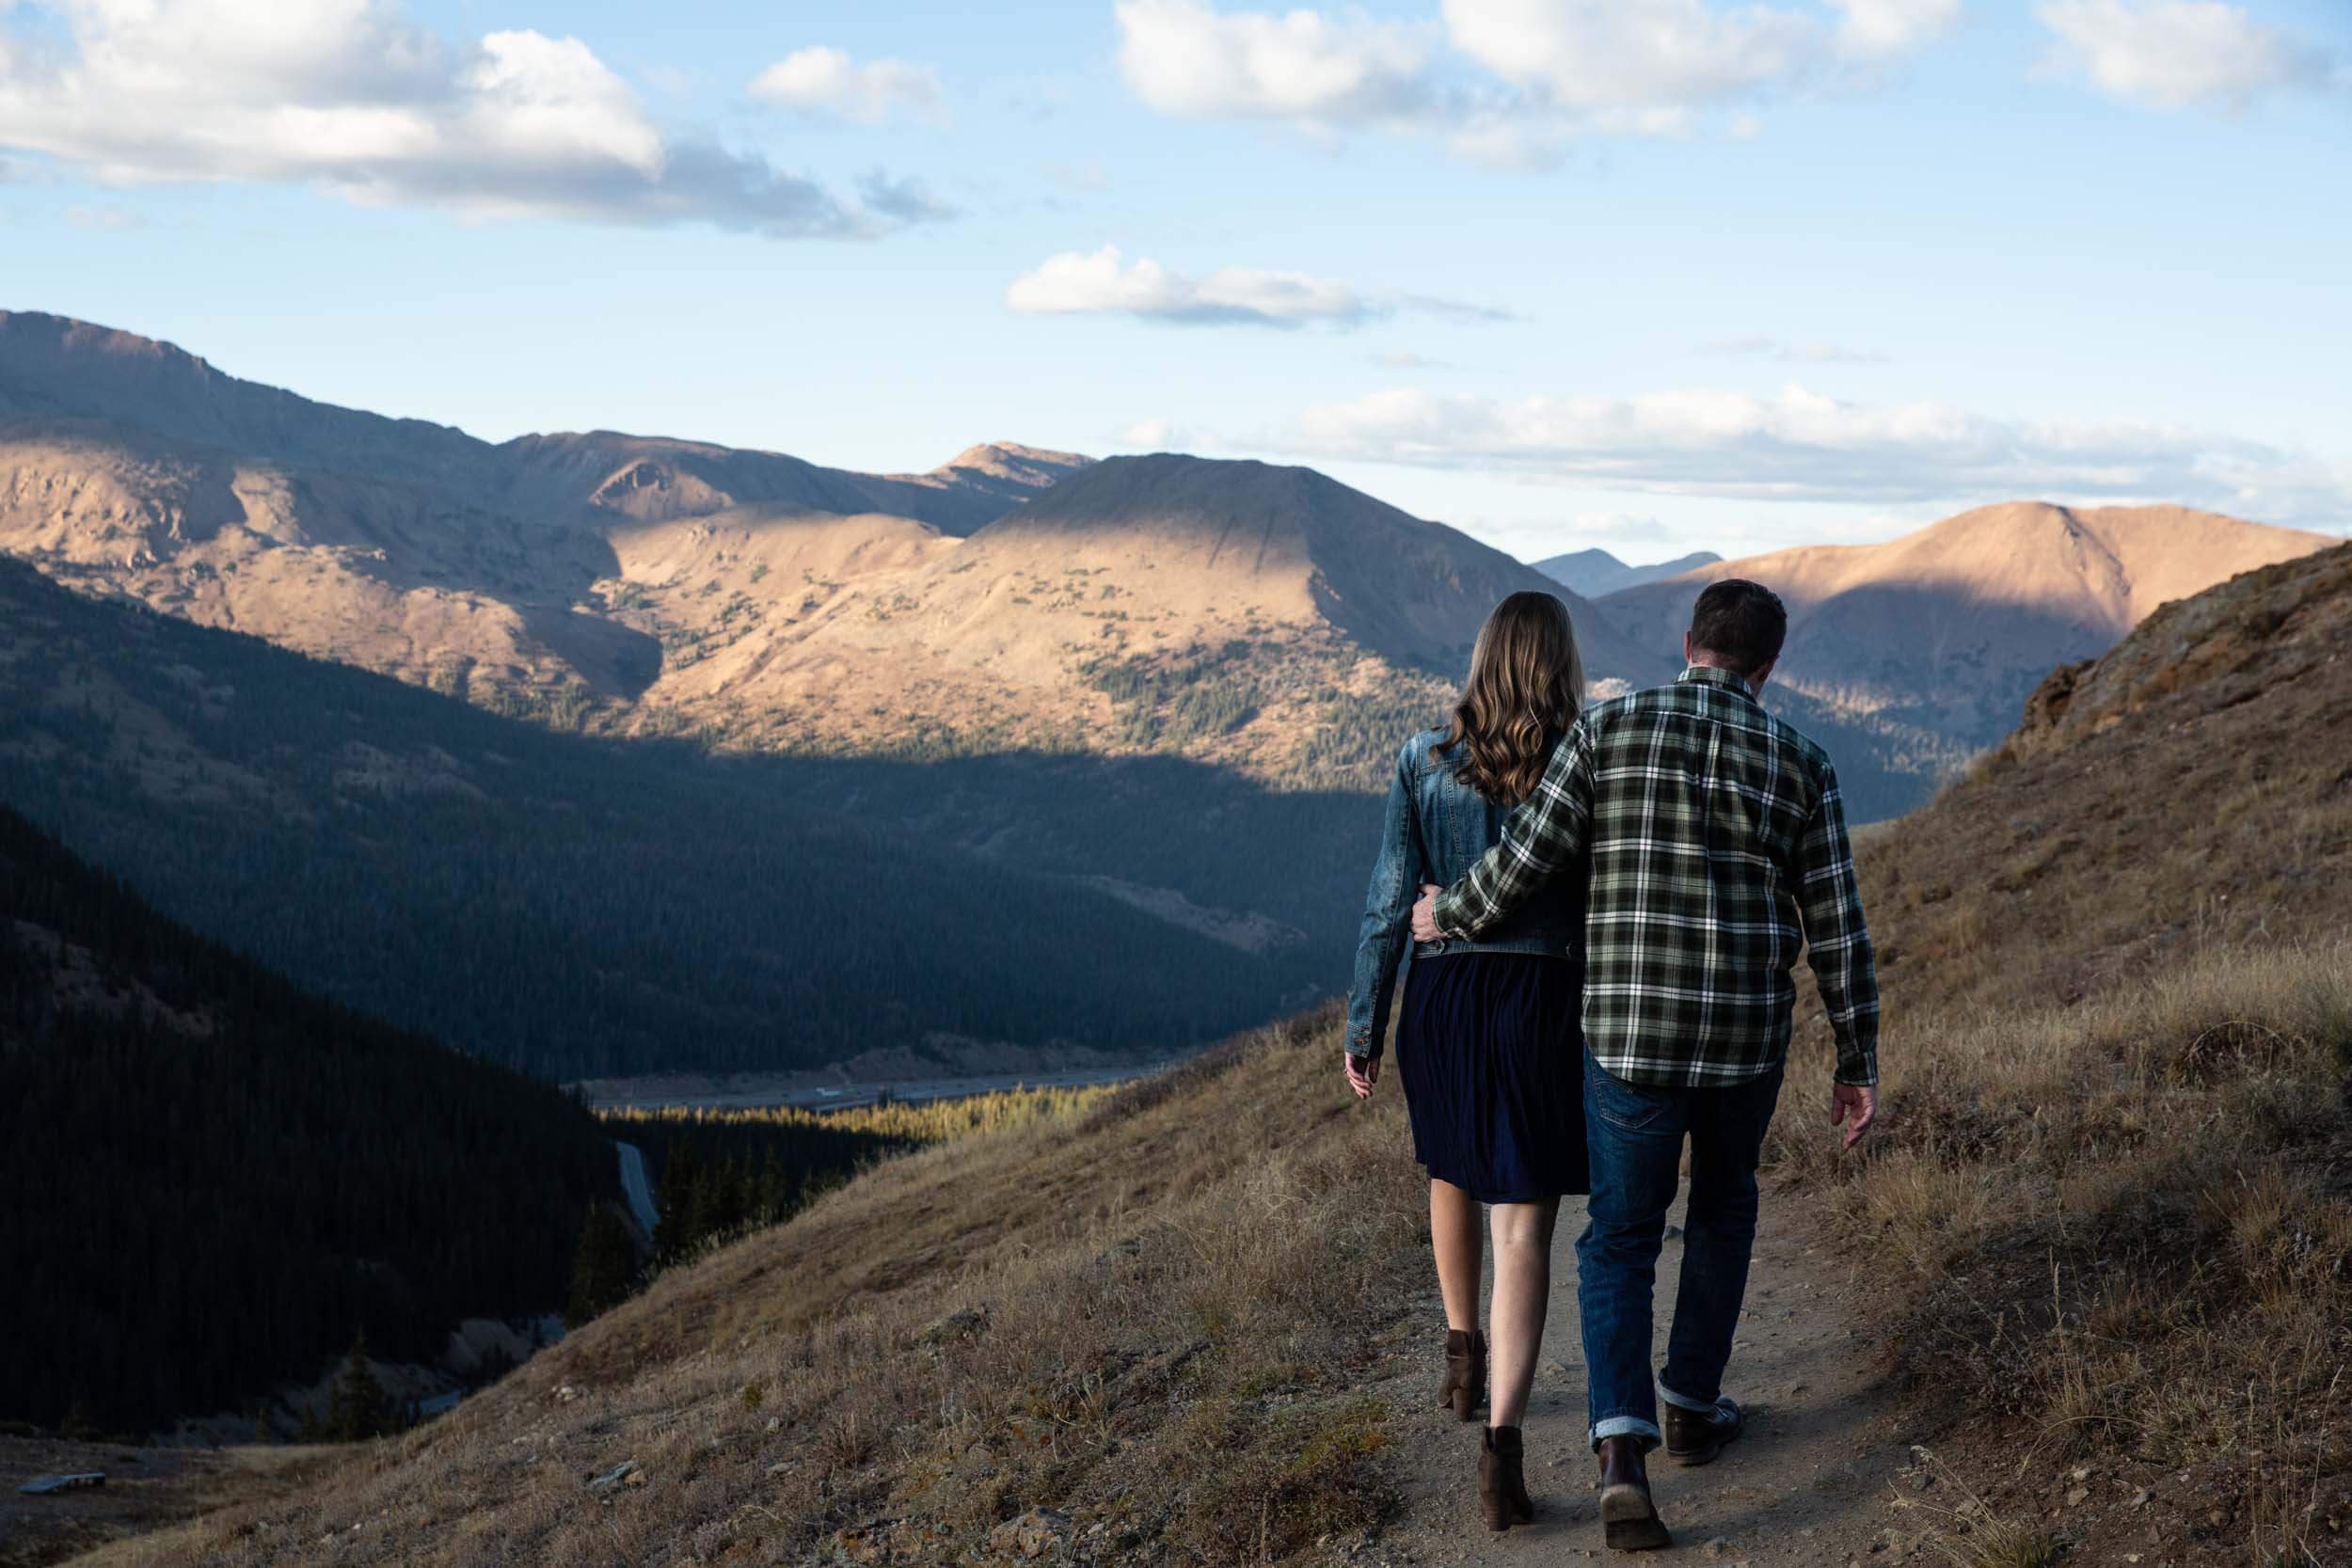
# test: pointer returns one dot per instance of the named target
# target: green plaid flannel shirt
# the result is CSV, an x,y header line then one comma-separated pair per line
x,y
1718,848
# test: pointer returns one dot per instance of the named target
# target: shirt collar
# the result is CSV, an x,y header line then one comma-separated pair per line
x,y
1707,675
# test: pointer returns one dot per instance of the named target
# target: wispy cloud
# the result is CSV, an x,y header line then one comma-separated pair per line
x,y
1800,445
1104,283
1404,360
348,96
2179,54
1156,436
1507,80
1783,352
901,198
826,84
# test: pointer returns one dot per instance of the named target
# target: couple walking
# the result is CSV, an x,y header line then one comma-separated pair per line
x,y
1606,974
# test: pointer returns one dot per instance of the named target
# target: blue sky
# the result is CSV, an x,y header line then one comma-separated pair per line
x,y
1655,275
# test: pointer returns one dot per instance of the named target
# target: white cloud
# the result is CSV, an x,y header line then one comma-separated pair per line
x,y
1876,29
1404,360
1104,283
1791,353
348,96
1619,528
1508,82
1156,436
1633,65
1797,445
1183,58
827,83
2178,54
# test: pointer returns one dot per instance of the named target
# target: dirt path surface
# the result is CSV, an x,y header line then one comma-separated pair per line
x,y
1813,1481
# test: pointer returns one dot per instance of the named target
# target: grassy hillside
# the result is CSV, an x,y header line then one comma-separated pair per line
x,y
2114,1192
1150,1319
215,1180
2109,1207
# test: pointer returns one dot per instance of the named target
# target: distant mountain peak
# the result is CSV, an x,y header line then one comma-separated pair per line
x,y
1952,624
1593,573
1011,460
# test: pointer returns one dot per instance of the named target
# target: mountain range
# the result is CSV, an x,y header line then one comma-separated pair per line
x,y
1097,746
1948,628
648,586
1593,573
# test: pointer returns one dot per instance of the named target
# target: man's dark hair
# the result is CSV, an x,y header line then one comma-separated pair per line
x,y
1741,623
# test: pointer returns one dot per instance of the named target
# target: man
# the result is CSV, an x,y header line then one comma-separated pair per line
x,y
1715,844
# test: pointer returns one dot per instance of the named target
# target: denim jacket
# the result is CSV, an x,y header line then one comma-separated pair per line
x,y
1437,827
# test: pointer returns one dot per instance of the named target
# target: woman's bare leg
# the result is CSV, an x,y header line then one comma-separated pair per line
x,y
1522,1293
1454,1237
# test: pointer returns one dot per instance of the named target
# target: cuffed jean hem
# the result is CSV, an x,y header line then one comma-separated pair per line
x,y
1627,1426
1679,1403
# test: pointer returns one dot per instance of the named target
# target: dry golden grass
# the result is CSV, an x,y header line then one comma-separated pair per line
x,y
2120,1234
2114,1186
1151,1320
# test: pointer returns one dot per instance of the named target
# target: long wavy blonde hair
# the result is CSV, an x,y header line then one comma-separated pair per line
x,y
1526,687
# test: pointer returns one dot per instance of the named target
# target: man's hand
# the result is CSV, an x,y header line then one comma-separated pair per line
x,y
1425,913
1857,1107
1362,1074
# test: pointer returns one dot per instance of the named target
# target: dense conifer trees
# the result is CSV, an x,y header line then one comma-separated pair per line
x,y
213,1180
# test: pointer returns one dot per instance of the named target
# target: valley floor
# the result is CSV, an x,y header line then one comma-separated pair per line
x,y
149,1494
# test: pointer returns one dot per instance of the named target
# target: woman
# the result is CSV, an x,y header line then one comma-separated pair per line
x,y
1487,1040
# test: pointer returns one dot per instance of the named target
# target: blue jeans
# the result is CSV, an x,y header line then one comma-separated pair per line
x,y
1636,1136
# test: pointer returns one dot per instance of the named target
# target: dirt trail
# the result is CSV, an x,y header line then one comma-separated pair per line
x,y
1813,1481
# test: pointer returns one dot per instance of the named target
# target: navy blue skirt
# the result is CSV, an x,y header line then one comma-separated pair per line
x,y
1491,1055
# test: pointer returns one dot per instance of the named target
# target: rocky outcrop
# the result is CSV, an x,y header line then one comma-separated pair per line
x,y
2201,655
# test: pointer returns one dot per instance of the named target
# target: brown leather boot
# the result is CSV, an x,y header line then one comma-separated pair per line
x,y
1629,1520
1465,1385
1693,1437
1502,1481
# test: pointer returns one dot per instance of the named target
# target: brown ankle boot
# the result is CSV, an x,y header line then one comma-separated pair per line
x,y
1629,1519
1465,1385
1502,1481
1692,1438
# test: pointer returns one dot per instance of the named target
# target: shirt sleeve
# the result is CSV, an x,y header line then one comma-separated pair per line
x,y
1547,833
1838,942
1382,938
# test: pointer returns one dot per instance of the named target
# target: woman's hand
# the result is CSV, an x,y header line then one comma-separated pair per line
x,y
1362,1074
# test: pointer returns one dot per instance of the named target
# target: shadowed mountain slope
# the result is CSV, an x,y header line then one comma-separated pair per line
x,y
584,907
